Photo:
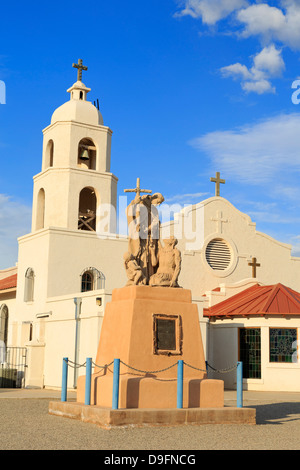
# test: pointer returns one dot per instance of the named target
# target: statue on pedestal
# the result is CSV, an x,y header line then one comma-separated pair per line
x,y
133,271
168,261
146,257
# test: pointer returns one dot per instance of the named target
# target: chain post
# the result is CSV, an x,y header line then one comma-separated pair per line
x,y
239,385
88,379
64,379
116,381
180,384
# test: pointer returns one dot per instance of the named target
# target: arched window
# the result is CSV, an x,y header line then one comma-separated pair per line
x,y
87,154
87,210
40,213
49,153
92,279
3,324
29,285
87,282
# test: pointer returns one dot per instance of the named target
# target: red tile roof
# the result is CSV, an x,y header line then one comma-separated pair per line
x,y
8,282
258,300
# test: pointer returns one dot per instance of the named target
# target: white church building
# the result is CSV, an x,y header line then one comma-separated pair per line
x,y
246,284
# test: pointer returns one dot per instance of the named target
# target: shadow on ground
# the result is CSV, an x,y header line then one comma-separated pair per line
x,y
277,413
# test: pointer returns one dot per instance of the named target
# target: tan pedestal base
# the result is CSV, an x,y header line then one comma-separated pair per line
x,y
149,378
145,392
108,418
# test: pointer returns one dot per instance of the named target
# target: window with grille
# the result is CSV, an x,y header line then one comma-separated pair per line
x,y
92,279
281,344
218,254
87,282
250,352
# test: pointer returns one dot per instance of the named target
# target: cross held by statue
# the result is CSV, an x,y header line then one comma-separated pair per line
x,y
79,68
218,181
138,189
254,265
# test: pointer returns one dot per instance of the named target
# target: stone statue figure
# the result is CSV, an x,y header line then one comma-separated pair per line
x,y
147,261
144,227
133,271
168,261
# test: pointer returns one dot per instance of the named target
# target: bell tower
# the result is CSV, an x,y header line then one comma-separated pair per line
x,y
75,182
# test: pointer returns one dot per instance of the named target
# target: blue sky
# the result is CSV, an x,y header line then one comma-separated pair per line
x,y
188,87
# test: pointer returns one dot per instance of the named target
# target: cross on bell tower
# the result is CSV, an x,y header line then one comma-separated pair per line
x,y
79,68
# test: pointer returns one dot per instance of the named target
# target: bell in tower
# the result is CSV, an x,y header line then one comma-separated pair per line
x,y
84,155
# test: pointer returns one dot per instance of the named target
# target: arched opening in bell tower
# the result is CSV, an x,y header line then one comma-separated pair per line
x,y
87,209
40,212
29,285
49,154
86,154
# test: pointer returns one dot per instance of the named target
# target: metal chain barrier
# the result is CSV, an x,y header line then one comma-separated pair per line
x,y
223,371
74,365
116,377
148,371
102,367
192,367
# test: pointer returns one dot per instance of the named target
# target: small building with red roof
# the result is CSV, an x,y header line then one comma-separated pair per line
x,y
259,327
8,283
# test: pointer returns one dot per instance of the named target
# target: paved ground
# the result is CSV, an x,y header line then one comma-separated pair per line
x,y
25,424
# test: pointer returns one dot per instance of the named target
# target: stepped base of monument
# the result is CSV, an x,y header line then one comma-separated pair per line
x,y
108,418
143,392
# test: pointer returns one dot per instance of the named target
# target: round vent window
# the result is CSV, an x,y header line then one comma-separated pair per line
x,y
218,254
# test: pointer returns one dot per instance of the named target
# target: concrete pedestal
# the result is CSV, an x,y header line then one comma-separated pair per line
x,y
149,329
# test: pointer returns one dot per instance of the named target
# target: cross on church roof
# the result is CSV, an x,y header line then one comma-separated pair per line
x,y
79,68
254,265
218,181
138,189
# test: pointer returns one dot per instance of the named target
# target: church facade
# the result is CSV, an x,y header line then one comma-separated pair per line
x,y
53,302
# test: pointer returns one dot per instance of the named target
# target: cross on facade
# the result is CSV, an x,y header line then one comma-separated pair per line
x,y
218,181
79,68
138,189
254,265
219,221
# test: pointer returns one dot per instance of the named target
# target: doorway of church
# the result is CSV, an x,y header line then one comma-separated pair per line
x,y
250,352
12,367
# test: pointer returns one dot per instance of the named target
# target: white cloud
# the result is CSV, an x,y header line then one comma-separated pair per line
x,y
266,64
211,11
271,23
15,221
273,217
257,153
258,86
236,70
185,198
269,60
